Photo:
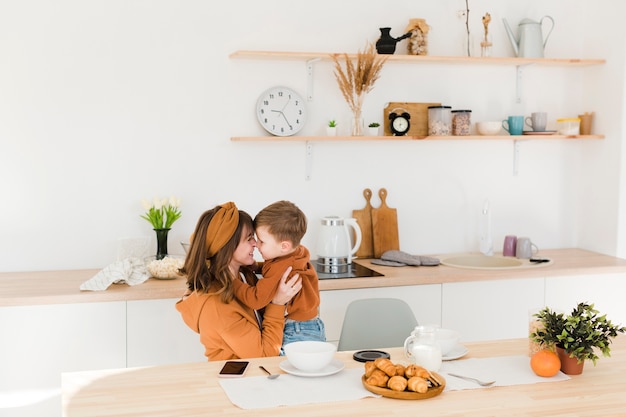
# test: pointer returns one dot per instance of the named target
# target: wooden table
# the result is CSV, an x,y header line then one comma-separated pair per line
x,y
193,390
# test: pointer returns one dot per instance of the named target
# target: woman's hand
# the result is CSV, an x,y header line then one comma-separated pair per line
x,y
286,290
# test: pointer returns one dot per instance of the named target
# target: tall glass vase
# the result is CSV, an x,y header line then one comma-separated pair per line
x,y
357,123
161,237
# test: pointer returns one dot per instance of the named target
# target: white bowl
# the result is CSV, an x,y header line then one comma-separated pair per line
x,y
488,128
310,355
447,339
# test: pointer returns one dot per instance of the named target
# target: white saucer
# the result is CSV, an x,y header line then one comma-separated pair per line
x,y
335,366
457,352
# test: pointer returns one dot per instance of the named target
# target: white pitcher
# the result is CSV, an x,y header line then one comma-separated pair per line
x,y
422,349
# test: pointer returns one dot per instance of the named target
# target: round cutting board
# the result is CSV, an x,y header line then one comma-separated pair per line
x,y
406,395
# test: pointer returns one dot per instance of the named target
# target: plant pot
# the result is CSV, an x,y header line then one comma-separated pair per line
x,y
373,131
331,131
569,366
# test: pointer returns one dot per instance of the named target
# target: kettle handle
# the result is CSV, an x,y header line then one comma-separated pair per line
x,y
357,235
551,29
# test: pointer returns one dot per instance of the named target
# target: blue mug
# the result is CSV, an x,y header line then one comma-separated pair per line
x,y
514,125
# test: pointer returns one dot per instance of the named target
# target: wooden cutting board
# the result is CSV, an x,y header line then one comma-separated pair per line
x,y
364,219
384,226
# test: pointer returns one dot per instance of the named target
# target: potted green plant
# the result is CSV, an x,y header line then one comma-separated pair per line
x,y
331,129
577,336
373,128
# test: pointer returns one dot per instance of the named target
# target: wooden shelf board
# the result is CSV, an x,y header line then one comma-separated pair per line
x,y
278,55
401,138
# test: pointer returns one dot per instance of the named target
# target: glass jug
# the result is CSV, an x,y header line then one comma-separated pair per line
x,y
422,349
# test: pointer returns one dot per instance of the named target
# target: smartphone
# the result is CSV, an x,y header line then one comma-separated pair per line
x,y
233,369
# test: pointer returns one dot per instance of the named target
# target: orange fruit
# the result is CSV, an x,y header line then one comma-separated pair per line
x,y
545,363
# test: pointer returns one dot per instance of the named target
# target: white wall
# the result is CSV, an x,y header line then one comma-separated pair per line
x,y
103,103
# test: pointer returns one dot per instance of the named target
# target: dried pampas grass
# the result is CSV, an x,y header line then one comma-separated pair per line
x,y
358,77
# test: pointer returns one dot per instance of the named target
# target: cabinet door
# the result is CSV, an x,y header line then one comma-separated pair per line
x,y
488,310
605,292
157,335
41,342
425,301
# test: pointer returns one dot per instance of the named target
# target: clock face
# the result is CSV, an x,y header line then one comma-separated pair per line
x,y
400,124
281,111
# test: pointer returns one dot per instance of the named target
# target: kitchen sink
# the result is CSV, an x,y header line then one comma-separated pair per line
x,y
480,261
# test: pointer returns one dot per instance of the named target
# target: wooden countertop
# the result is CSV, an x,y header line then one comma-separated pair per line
x,y
62,287
193,390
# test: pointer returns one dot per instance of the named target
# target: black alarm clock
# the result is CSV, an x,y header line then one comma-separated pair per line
x,y
399,124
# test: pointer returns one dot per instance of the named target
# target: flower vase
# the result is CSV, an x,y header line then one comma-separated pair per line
x,y
357,124
161,237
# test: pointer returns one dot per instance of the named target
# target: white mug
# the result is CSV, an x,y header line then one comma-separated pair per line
x,y
525,248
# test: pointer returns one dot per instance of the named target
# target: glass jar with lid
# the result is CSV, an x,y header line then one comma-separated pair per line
x,y
461,122
439,120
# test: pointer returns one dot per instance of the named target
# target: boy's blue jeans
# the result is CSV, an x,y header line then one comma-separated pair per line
x,y
296,331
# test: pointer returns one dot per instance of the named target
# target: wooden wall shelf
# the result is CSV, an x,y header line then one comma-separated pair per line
x,y
414,59
403,138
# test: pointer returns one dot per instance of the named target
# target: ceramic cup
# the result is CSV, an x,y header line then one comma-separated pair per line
x,y
537,121
510,244
525,248
514,125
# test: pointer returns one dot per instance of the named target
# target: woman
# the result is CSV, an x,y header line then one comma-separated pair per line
x,y
221,251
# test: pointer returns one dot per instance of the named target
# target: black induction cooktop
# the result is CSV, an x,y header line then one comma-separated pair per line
x,y
356,271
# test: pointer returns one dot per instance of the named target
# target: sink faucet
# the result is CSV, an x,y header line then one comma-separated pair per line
x,y
486,243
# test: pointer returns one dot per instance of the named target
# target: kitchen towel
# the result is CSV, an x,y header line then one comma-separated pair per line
x,y
260,392
131,271
505,370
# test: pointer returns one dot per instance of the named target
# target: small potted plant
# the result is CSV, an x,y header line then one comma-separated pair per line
x,y
331,129
373,128
576,336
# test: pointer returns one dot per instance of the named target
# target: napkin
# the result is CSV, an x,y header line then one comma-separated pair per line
x,y
260,392
505,370
131,271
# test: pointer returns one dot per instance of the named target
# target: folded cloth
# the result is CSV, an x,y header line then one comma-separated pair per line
x,y
131,271
408,259
386,263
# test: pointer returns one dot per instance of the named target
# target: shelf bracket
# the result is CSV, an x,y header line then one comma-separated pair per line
x,y
308,161
515,157
309,78
519,76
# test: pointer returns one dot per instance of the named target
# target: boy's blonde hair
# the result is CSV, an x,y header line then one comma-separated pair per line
x,y
284,220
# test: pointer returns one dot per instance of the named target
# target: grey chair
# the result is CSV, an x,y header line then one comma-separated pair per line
x,y
376,323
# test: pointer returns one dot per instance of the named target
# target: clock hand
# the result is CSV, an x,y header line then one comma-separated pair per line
x,y
285,117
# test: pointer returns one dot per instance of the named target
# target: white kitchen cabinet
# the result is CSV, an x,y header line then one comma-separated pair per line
x,y
489,310
425,301
606,291
157,335
40,342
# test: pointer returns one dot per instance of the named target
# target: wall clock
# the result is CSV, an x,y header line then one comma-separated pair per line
x,y
399,123
281,111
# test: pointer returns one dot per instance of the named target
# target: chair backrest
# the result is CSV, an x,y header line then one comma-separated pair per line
x,y
376,323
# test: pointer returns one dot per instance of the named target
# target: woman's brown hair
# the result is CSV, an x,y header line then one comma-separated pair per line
x,y
202,273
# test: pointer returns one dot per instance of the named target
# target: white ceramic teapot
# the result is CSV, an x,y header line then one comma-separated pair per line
x,y
334,245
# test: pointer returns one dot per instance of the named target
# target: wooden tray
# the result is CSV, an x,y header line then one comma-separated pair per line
x,y
406,395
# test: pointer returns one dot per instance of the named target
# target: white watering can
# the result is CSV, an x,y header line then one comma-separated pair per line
x,y
531,43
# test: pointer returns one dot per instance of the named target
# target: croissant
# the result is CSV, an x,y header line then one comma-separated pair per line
x,y
417,384
370,366
397,383
416,370
378,378
386,366
399,369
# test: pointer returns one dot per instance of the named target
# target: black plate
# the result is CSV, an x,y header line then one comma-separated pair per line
x,y
369,355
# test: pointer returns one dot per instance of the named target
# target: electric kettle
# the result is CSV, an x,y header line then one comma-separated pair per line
x,y
531,42
334,244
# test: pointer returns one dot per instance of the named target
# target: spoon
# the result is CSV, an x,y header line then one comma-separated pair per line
x,y
270,375
478,381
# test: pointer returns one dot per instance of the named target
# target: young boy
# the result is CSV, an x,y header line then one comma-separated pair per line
x,y
279,228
